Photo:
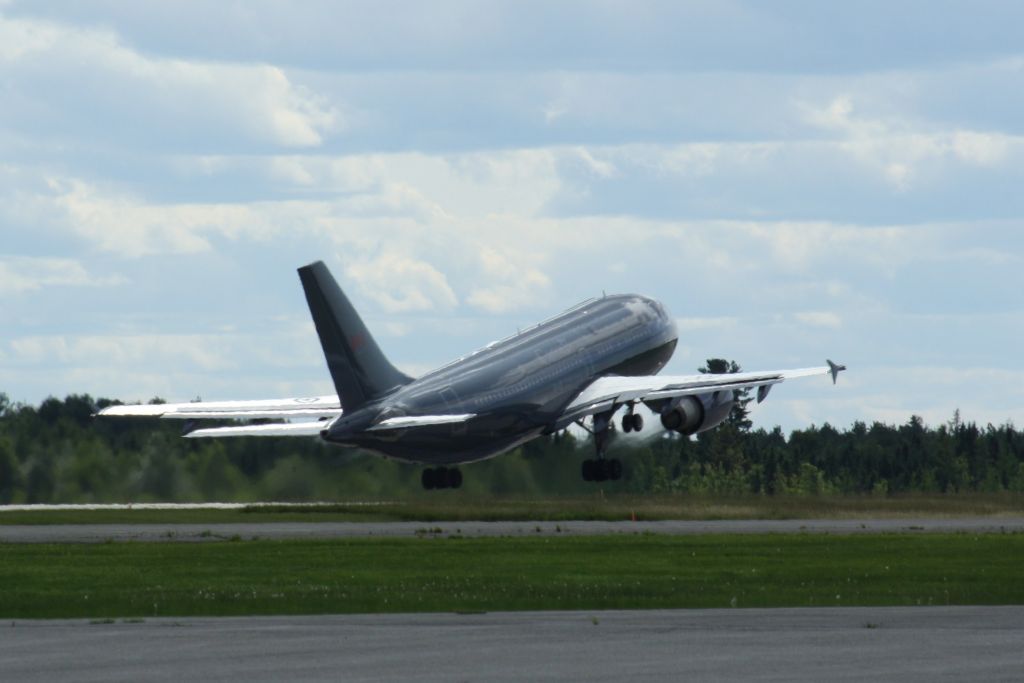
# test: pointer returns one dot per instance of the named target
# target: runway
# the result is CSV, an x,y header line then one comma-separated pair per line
x,y
906,644
103,533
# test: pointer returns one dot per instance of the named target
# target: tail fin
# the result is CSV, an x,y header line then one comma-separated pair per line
x,y
358,367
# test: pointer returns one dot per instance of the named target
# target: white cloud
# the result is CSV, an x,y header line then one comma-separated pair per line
x,y
133,228
826,319
24,273
203,352
982,149
802,244
86,80
699,324
519,283
903,150
600,167
19,38
477,184
400,283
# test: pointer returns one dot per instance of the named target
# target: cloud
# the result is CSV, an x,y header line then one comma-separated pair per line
x,y
132,228
982,149
819,319
801,244
400,283
203,352
575,35
699,324
24,273
520,282
85,83
901,150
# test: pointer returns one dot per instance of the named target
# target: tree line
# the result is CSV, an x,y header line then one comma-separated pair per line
x,y
57,452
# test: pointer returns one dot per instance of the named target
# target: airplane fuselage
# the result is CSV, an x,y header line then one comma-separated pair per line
x,y
517,388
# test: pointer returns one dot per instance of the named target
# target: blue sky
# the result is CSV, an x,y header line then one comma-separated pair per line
x,y
795,180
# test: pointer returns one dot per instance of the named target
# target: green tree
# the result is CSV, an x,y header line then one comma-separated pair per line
x,y
42,480
10,474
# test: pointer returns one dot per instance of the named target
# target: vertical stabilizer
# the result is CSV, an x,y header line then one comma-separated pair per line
x,y
358,367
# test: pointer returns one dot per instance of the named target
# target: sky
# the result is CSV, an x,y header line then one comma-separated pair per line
x,y
796,181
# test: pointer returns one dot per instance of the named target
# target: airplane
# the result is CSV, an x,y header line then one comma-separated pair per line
x,y
585,364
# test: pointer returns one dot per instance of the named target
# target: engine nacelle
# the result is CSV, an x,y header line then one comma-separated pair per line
x,y
695,414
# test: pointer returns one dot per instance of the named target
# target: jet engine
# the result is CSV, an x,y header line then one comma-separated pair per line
x,y
694,414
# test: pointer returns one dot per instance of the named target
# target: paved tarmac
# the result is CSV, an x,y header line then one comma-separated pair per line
x,y
826,644
101,533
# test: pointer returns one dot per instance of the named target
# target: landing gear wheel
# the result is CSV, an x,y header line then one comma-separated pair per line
x,y
638,422
587,470
601,470
441,478
615,469
627,424
454,478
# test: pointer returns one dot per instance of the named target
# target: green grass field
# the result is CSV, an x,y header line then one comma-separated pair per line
x,y
453,506
489,574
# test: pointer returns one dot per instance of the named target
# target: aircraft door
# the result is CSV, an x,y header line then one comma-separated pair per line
x,y
585,361
451,406
450,399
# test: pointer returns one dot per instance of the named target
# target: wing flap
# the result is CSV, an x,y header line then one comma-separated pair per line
x,y
304,429
407,422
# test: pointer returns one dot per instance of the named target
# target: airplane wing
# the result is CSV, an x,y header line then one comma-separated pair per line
x,y
309,407
306,429
605,393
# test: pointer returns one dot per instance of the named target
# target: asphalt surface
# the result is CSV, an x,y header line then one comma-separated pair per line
x,y
905,644
102,533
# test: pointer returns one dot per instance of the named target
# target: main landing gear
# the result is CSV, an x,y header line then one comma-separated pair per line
x,y
632,422
602,469
441,478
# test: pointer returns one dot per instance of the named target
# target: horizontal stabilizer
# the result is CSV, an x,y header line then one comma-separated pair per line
x,y
419,421
306,429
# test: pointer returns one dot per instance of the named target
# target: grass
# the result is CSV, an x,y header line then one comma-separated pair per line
x,y
451,506
470,575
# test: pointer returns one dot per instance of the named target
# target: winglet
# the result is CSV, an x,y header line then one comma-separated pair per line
x,y
835,369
